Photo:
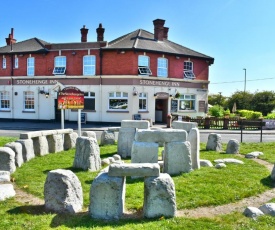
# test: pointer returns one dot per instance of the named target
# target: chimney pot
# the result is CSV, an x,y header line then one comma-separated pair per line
x,y
165,32
100,33
84,32
10,40
159,29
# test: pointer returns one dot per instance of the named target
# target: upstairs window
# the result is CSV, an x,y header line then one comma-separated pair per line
x,y
29,100
89,101
5,100
143,65
118,101
142,102
188,70
30,66
162,67
4,63
187,102
16,63
89,65
59,65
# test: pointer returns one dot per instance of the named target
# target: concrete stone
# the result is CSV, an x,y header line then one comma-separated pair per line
x,y
87,154
214,142
194,139
273,173
111,159
49,132
220,165
252,212
64,131
30,135
177,158
117,157
144,152
107,138
6,191
70,140
5,176
63,192
91,134
27,149
55,143
134,169
229,161
7,159
161,135
107,197
17,148
255,154
159,196
139,124
105,162
233,147
187,126
40,145
268,208
205,163
126,137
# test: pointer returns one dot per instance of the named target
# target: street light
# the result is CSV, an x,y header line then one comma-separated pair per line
x,y
220,99
244,79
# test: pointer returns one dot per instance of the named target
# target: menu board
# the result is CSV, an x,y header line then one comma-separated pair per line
x,y
201,106
174,106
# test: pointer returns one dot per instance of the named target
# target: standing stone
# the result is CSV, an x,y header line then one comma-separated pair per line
x,y
187,126
70,140
144,152
126,137
7,159
107,138
107,197
91,134
6,191
268,208
177,158
139,124
194,139
63,192
87,154
252,212
5,176
233,147
17,148
214,142
40,146
55,142
27,149
159,196
273,173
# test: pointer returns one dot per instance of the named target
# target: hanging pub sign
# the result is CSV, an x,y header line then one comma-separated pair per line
x,y
70,98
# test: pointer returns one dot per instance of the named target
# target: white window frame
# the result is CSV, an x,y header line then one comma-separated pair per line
x,y
144,65
142,102
4,63
59,65
184,100
29,103
89,65
5,100
16,62
162,67
121,99
188,70
30,66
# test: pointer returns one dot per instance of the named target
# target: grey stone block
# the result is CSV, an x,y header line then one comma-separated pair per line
x,y
27,149
126,137
187,126
17,148
139,124
233,147
55,143
40,145
214,142
107,138
7,159
70,140
144,152
5,176
6,191
194,139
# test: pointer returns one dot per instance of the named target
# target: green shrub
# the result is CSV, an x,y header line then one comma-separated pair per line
x,y
249,114
270,116
216,111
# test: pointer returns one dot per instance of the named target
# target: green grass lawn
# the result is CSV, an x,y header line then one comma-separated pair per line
x,y
204,187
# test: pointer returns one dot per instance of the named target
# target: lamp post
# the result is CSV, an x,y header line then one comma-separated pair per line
x,y
244,80
220,99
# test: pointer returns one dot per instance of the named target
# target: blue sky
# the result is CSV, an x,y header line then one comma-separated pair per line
x,y
237,33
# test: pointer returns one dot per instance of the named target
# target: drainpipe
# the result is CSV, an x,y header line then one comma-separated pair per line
x,y
100,83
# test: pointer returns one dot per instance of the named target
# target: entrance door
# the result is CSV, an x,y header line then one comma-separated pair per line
x,y
161,108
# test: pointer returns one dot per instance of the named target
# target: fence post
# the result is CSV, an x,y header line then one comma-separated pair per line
x,y
225,123
207,123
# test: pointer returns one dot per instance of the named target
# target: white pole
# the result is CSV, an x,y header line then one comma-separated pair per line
x,y
79,122
62,118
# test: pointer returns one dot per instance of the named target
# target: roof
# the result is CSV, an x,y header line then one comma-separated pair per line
x,y
144,40
33,45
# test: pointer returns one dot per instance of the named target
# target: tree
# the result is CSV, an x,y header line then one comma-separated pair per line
x,y
263,102
242,99
217,99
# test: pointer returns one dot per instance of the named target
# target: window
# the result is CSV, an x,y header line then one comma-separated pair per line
x,y
188,70
16,63
28,100
4,63
89,101
162,67
187,102
143,65
5,100
142,101
30,66
118,101
89,65
59,65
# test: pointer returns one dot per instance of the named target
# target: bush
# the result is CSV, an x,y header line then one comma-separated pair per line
x,y
270,116
216,111
249,114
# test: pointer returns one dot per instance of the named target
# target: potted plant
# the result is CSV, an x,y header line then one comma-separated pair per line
x,y
177,95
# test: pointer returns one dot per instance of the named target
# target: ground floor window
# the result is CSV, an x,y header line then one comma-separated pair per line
x,y
29,100
142,101
89,101
187,102
118,101
5,100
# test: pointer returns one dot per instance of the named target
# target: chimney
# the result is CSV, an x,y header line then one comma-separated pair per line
x,y
159,30
84,33
165,32
100,33
10,40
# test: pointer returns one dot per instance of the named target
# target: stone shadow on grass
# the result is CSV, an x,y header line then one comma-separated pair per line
x,y
267,181
28,209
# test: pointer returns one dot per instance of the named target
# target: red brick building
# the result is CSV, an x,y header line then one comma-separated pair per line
x,y
138,73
